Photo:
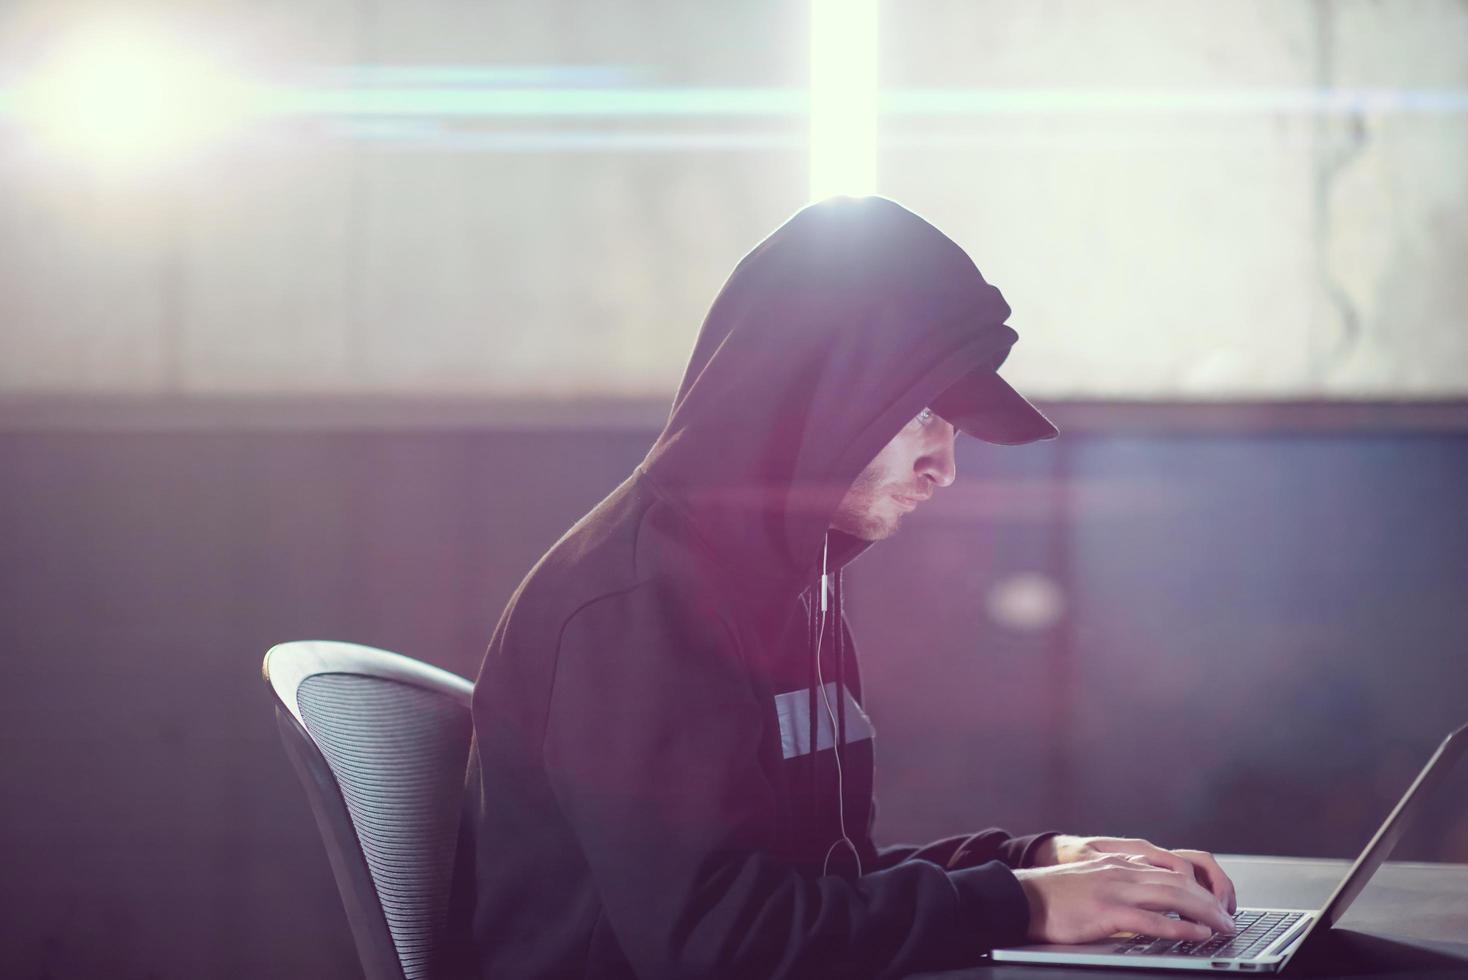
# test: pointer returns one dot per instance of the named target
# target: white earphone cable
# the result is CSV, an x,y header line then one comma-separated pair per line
x,y
830,714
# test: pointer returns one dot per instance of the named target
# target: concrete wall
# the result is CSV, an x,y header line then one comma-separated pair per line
x,y
1180,198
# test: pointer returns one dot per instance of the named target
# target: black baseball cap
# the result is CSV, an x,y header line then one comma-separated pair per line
x,y
983,405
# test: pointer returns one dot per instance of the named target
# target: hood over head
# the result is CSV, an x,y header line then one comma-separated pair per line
x,y
828,337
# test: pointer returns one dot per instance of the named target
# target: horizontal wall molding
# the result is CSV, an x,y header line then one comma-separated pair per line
x,y
1074,417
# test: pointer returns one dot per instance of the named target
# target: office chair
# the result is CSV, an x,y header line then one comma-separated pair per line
x,y
380,742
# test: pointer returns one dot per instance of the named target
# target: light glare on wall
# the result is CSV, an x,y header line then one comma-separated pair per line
x,y
843,97
124,96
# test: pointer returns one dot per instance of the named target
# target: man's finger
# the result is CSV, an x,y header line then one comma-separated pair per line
x,y
1186,899
1163,858
1145,850
1198,864
1155,924
1214,877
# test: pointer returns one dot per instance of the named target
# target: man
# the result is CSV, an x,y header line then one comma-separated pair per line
x,y
672,772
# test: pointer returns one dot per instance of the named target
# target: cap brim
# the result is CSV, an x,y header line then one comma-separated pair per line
x,y
983,405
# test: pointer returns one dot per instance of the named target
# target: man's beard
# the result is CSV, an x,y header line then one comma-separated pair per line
x,y
858,518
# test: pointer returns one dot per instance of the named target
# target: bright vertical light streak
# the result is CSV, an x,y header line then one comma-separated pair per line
x,y
843,97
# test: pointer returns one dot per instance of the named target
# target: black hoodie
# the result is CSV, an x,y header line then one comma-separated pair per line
x,y
642,795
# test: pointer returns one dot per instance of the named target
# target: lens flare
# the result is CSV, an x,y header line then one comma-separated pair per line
x,y
124,96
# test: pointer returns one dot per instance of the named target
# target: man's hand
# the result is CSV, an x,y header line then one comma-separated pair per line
x,y
1066,849
1084,901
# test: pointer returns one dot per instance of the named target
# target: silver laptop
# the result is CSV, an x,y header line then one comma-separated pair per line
x,y
1266,938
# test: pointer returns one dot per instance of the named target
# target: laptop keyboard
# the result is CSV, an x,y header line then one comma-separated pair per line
x,y
1257,930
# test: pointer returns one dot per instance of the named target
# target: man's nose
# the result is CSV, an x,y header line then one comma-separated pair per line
x,y
938,463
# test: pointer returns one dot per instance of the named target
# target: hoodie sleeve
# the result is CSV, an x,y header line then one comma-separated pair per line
x,y
961,851
968,850
652,746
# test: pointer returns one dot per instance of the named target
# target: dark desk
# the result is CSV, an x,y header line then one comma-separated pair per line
x,y
1411,921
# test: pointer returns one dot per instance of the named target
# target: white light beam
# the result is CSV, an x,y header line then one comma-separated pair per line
x,y
843,97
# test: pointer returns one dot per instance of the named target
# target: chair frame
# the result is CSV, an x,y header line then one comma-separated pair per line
x,y
286,667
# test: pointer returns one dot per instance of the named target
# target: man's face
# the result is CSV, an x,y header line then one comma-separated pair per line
x,y
917,461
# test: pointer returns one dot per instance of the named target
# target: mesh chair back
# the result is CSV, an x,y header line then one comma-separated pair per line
x,y
381,742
